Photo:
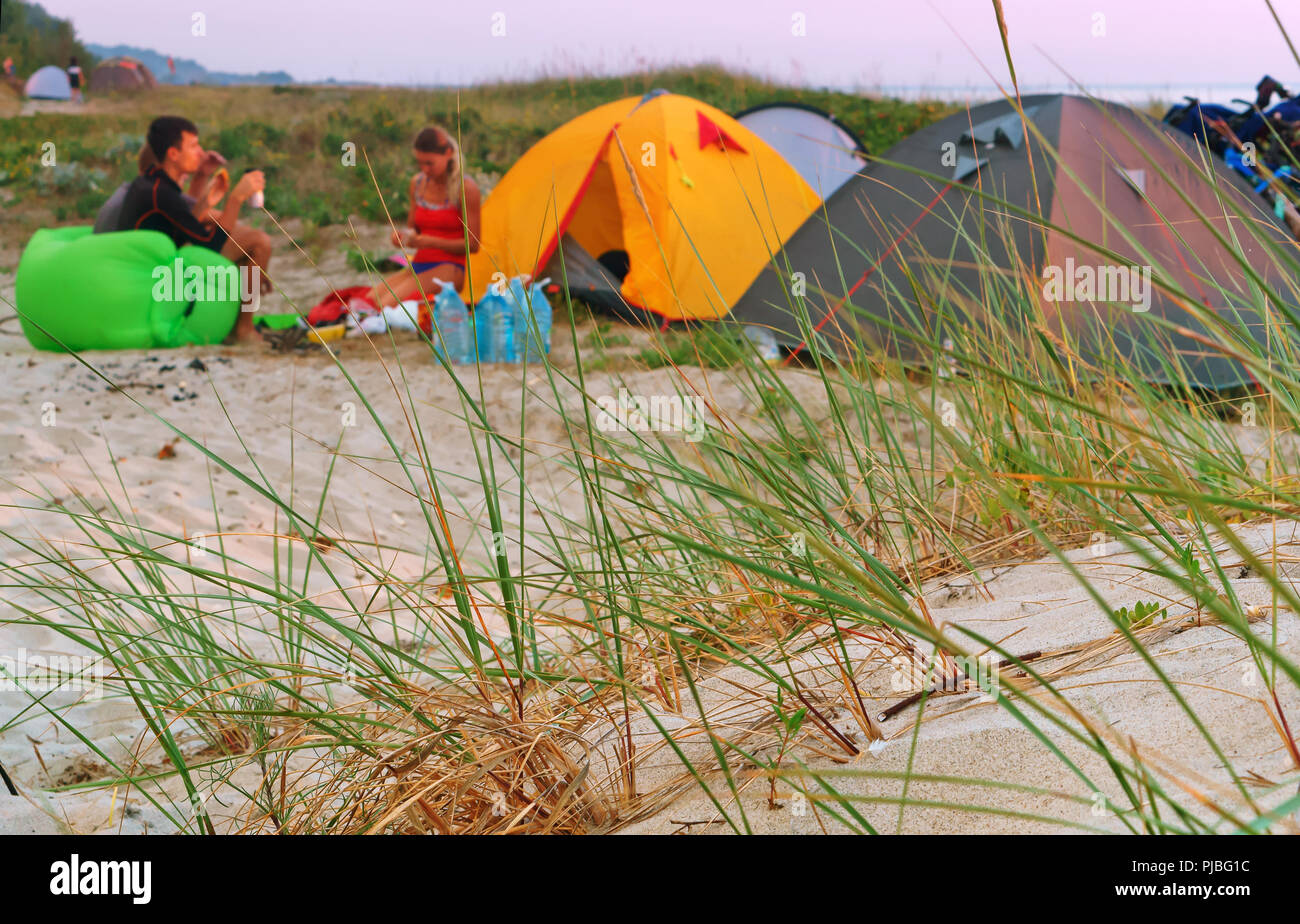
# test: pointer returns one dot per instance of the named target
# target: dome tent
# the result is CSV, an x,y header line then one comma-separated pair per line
x,y
678,201
825,151
926,225
122,75
49,82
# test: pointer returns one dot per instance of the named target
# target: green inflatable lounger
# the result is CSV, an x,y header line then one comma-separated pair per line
x,y
123,290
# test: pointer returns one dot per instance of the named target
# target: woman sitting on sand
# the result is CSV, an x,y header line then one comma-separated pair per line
x,y
444,205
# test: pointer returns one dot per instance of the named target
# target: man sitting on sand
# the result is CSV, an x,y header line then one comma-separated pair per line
x,y
206,182
154,202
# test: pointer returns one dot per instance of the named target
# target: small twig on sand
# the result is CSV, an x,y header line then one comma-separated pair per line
x,y
689,824
916,697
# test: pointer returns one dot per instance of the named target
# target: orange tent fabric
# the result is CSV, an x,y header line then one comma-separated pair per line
x,y
698,202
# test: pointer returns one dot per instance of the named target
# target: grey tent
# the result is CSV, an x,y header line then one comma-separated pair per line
x,y
49,82
891,245
825,152
122,75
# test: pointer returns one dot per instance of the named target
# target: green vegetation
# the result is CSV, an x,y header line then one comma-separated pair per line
x,y
1141,614
708,346
298,137
699,605
369,700
34,39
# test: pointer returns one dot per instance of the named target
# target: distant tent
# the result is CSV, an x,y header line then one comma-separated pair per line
x,y
660,203
906,243
122,75
50,82
825,152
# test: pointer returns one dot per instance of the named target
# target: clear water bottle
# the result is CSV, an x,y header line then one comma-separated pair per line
x,y
258,199
532,319
947,364
494,330
764,342
451,326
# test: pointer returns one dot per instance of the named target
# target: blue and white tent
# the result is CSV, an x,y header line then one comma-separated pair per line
x,y
49,82
824,151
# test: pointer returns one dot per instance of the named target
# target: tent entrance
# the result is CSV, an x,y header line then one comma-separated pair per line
x,y
589,278
597,225
595,258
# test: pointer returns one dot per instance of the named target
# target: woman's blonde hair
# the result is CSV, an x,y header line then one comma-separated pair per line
x,y
437,140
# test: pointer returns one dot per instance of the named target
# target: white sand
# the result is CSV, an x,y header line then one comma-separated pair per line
x,y
290,408
1034,607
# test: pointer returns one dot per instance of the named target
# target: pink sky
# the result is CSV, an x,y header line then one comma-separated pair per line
x,y
868,44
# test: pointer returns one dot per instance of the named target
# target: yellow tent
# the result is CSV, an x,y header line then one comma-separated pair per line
x,y
680,196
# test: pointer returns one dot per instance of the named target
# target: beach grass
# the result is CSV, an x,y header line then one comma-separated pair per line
x,y
594,627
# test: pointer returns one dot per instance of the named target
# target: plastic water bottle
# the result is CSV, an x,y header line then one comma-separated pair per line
x,y
451,327
258,199
532,319
493,329
764,342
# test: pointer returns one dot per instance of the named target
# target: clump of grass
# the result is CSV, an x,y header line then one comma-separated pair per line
x,y
366,263
708,347
714,616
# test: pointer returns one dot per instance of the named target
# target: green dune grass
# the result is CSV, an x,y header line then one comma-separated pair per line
x,y
804,530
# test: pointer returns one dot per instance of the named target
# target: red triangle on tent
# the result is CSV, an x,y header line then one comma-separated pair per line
x,y
710,133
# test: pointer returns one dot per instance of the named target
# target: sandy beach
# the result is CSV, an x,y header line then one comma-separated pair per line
x,y
98,439
826,514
